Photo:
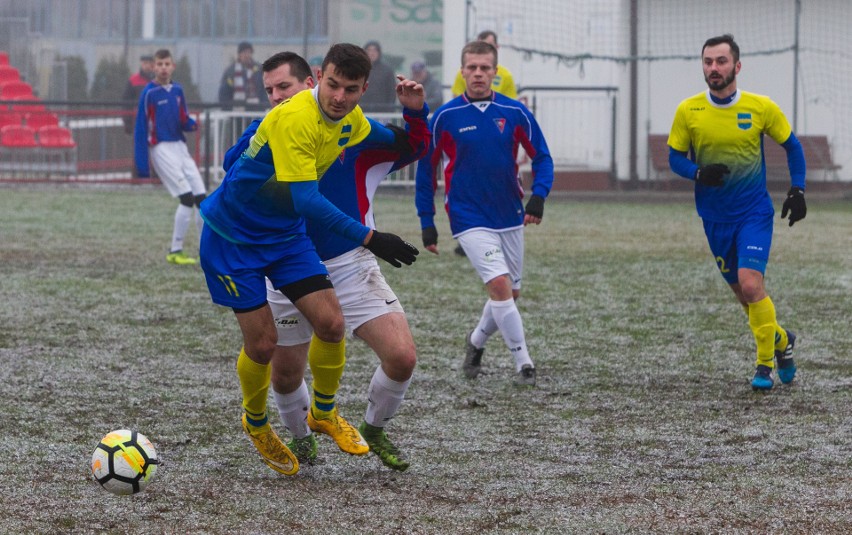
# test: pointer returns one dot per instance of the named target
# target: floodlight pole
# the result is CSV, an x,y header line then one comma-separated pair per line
x,y
634,90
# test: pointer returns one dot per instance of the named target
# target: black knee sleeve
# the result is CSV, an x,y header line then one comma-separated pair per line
x,y
199,198
186,199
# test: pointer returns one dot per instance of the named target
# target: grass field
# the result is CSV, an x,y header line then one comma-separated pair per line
x,y
643,419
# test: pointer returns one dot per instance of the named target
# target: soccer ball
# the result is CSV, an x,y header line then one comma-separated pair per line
x,y
124,462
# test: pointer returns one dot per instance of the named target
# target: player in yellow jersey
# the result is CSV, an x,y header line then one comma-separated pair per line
x,y
724,129
256,229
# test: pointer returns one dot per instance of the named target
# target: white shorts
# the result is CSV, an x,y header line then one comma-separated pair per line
x,y
176,168
494,253
360,287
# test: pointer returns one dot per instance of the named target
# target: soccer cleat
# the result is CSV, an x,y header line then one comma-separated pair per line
x,y
786,365
384,449
344,434
179,258
762,378
525,377
275,454
305,449
472,358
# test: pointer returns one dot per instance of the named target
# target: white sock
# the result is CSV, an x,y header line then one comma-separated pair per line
x,y
293,410
508,320
485,328
183,215
384,398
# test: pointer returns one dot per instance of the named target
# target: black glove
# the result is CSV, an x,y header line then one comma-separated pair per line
x,y
535,206
712,175
430,236
392,249
400,140
795,204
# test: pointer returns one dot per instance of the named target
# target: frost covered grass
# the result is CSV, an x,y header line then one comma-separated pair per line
x,y
642,421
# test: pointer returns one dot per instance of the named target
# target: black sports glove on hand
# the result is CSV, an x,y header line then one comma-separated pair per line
x,y
712,175
400,140
535,206
795,204
430,236
392,249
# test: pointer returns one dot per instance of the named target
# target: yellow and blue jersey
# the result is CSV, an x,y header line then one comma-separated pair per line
x,y
730,134
295,142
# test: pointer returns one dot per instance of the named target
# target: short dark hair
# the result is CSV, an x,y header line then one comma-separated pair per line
x,y
162,53
721,39
350,61
478,47
298,66
485,34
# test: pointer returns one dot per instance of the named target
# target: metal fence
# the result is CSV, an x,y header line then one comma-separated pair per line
x,y
579,124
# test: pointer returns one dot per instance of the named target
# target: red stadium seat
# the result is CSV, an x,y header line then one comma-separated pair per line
x,y
15,90
19,152
17,136
10,117
36,120
9,74
4,58
55,137
58,150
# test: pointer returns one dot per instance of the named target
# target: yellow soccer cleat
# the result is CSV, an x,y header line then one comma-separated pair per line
x,y
275,454
347,437
179,258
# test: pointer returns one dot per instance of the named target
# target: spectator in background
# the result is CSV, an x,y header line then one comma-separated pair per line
x,y
431,86
381,92
503,82
135,84
242,81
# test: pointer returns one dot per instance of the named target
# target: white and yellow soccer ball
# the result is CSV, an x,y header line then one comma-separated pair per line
x,y
124,462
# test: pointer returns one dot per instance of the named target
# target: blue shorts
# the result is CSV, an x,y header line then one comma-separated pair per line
x,y
743,244
235,273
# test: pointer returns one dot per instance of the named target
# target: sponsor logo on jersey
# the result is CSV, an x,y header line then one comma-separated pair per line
x,y
501,124
467,129
744,121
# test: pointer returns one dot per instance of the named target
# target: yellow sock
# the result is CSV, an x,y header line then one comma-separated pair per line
x,y
761,319
781,339
254,382
327,361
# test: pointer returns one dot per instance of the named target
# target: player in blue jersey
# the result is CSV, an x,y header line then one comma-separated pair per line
x,y
369,306
475,142
724,129
161,120
255,229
